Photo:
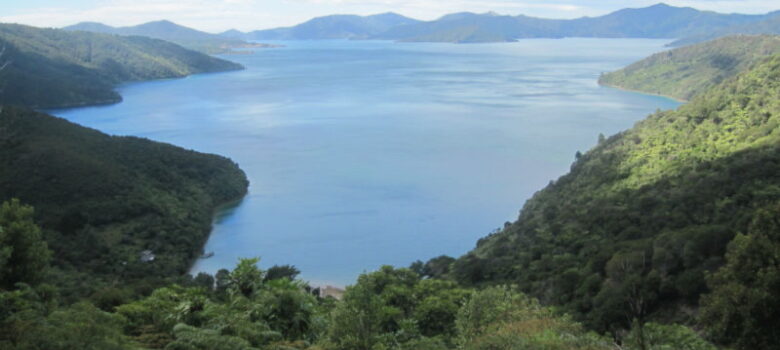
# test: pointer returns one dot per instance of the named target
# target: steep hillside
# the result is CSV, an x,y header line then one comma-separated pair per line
x,y
103,199
335,27
686,72
57,68
168,31
632,230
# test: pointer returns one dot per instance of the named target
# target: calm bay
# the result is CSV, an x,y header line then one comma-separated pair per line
x,y
364,153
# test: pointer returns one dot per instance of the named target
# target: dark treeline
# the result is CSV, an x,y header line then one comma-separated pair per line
x,y
102,200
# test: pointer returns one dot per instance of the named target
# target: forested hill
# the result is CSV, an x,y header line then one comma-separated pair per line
x,y
686,72
168,31
642,218
334,27
103,200
58,68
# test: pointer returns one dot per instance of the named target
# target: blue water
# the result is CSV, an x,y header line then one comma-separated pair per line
x,y
369,153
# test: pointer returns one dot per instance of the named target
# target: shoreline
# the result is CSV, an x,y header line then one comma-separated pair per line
x,y
616,87
215,213
99,103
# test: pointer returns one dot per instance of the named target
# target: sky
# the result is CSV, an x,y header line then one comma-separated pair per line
x,y
220,15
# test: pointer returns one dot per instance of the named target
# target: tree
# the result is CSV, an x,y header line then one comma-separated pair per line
x,y
222,280
192,338
81,326
246,278
24,256
503,318
418,267
438,302
287,308
744,308
654,336
204,280
281,271
438,267
391,307
356,322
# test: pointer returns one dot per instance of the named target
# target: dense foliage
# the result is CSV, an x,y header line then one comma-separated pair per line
x,y
57,68
640,221
673,221
686,72
390,309
743,307
102,199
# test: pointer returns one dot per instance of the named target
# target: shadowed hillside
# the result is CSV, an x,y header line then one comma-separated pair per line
x,y
104,199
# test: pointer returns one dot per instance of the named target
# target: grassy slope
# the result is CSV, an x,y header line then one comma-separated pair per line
x,y
58,68
685,72
648,212
103,199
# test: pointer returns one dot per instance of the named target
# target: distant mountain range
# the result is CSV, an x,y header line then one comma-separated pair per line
x,y
687,24
169,31
330,27
657,21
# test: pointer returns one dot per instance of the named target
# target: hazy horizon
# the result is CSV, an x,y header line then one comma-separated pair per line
x,y
247,15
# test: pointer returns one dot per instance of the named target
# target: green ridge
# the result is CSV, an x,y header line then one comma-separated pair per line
x,y
686,72
104,199
56,68
642,218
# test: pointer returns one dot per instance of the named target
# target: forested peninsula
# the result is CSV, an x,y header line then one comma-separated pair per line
x,y
103,200
688,71
114,210
53,68
169,31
